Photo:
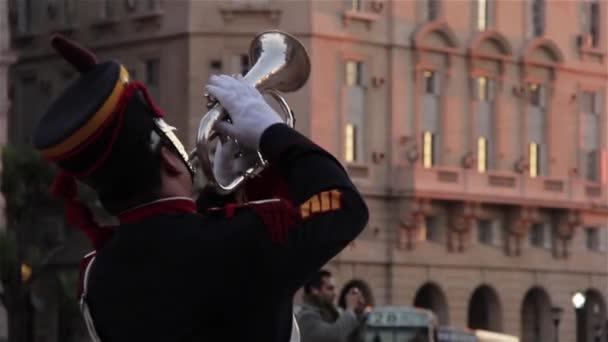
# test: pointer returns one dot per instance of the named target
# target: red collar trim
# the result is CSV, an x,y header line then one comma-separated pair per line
x,y
164,206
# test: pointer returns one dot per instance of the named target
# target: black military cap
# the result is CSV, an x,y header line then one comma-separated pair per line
x,y
104,125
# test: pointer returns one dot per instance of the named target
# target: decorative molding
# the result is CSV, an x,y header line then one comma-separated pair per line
x,y
232,12
412,220
519,221
566,222
367,18
461,218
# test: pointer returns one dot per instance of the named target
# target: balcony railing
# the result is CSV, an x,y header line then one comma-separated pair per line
x,y
498,186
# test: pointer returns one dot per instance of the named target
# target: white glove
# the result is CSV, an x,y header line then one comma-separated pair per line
x,y
250,113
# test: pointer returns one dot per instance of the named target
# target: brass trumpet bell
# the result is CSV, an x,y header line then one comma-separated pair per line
x,y
280,64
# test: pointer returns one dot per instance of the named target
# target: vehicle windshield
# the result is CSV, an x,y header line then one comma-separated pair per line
x,y
420,334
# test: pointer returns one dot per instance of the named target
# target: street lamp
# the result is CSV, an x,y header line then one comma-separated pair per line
x,y
579,299
598,332
556,312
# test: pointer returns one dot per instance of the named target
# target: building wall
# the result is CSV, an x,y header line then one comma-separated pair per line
x,y
397,43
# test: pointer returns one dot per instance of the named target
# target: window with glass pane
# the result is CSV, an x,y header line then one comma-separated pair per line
x,y
431,82
534,155
594,22
592,166
482,89
485,232
107,9
536,95
239,64
350,135
152,71
485,89
215,66
430,228
537,235
587,102
353,72
538,17
356,5
484,108
592,238
24,16
483,12
428,155
354,93
482,154
535,121
591,130
432,9
152,77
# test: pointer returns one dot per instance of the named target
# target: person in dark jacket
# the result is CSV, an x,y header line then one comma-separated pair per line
x,y
167,272
320,320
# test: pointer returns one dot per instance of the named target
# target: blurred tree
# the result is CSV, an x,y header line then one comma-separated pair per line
x,y
35,233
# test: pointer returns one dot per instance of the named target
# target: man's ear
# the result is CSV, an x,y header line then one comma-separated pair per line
x,y
170,162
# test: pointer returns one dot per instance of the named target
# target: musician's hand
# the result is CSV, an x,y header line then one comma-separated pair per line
x,y
249,112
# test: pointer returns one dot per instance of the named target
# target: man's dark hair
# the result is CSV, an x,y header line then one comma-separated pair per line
x,y
316,281
133,173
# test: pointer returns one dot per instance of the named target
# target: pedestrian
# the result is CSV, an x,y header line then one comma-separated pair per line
x,y
320,320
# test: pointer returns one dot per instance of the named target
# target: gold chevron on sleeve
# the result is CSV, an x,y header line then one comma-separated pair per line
x,y
323,202
315,205
335,199
305,209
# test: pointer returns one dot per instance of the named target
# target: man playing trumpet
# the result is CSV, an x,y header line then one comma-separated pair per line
x,y
168,272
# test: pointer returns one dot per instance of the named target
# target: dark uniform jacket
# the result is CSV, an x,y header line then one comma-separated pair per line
x,y
228,274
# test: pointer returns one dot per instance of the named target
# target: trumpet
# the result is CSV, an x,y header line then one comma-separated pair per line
x,y
280,64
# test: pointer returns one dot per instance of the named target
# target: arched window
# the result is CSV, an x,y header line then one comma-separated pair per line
x,y
485,311
431,297
536,319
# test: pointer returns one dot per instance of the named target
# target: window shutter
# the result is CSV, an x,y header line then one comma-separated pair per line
x,y
590,130
542,94
437,82
490,9
430,115
484,119
585,15
535,123
491,89
597,103
356,115
363,74
475,88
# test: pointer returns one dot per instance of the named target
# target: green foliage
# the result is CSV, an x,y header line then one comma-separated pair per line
x,y
26,178
34,234
8,255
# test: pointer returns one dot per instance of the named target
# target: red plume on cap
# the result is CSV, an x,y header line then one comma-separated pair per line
x,y
82,59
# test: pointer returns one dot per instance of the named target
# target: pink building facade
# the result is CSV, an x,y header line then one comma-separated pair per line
x,y
476,130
